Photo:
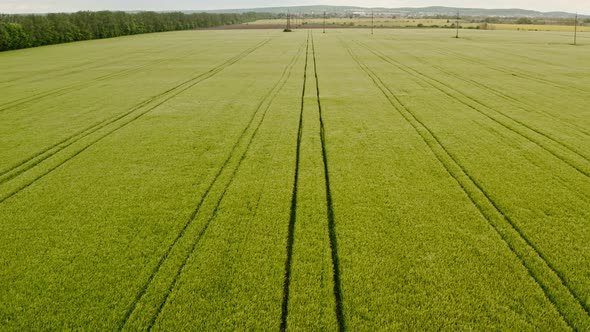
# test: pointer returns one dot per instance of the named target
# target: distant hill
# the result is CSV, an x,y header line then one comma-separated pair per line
x,y
414,12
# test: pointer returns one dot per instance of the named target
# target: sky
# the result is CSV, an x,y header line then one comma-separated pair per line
x,y
45,6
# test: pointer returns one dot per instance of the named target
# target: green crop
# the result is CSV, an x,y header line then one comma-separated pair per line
x,y
260,180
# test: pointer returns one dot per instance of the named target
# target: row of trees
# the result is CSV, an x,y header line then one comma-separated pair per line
x,y
22,31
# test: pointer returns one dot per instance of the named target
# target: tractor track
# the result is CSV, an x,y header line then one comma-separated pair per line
x,y
87,131
77,86
552,282
518,73
338,309
330,206
96,126
293,210
73,69
556,153
267,100
514,101
164,97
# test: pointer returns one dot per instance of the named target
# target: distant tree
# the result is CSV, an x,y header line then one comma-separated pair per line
x,y
14,36
524,20
485,26
21,31
4,37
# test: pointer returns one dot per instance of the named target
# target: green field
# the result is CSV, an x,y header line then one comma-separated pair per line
x,y
260,180
382,22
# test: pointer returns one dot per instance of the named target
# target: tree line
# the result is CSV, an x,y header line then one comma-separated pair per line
x,y
23,31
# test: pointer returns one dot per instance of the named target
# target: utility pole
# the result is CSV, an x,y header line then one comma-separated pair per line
x,y
576,29
324,22
288,20
372,21
457,25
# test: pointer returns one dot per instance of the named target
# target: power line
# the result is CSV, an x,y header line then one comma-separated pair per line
x,y
576,29
457,25
288,28
373,22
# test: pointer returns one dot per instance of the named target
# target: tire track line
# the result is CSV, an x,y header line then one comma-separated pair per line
x,y
519,73
75,137
34,97
74,69
58,91
82,133
537,131
268,99
526,136
586,307
293,211
521,105
166,95
330,207
38,158
64,90
506,139
97,126
554,286
425,79
101,124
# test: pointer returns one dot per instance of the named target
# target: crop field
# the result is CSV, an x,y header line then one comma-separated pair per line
x,y
382,22
261,180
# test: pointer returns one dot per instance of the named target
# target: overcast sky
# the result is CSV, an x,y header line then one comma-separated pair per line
x,y
44,6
